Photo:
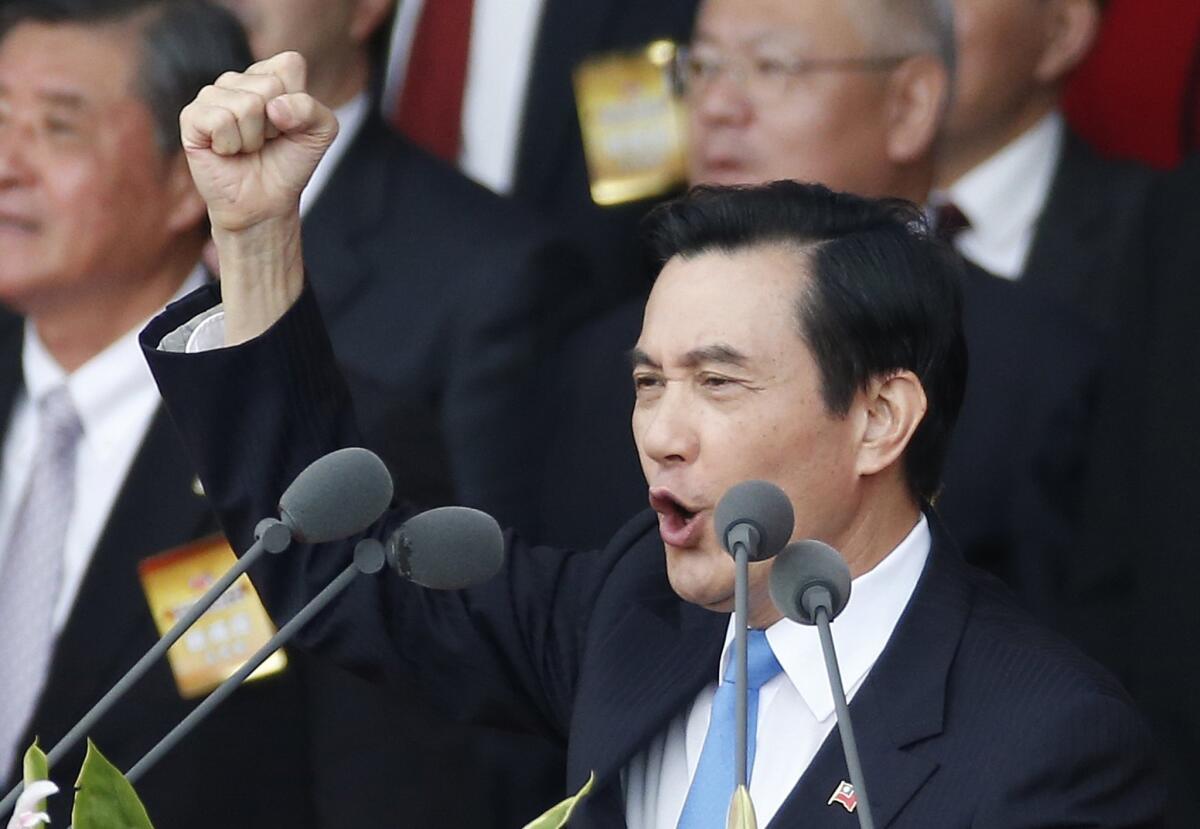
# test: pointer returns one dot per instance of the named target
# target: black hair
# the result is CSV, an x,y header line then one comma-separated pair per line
x,y
882,294
185,45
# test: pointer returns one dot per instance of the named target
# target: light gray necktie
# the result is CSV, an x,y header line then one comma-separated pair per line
x,y
31,569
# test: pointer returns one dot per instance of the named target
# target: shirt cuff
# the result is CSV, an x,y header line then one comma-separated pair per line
x,y
203,332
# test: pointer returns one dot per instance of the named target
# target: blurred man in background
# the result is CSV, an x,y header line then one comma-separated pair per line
x,y
100,226
1032,201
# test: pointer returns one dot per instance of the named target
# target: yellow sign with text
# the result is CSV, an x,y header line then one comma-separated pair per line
x,y
226,635
632,123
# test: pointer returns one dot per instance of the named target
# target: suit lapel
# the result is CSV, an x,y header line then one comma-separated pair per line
x,y
1068,246
630,693
899,707
157,509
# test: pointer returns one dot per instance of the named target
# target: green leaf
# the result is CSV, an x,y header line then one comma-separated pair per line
x,y
105,799
557,817
741,811
37,767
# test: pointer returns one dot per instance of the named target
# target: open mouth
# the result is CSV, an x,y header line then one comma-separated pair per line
x,y
679,524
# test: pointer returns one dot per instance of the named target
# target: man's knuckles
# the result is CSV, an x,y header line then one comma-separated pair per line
x,y
289,68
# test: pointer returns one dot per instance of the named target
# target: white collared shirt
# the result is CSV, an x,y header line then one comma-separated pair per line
x,y
350,116
116,398
1004,196
796,711
500,56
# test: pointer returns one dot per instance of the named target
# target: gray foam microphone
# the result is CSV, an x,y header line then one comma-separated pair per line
x,y
800,572
447,548
336,496
759,510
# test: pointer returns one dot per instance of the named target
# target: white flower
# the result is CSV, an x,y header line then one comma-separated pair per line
x,y
24,816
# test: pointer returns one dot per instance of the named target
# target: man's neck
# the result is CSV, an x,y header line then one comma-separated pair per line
x,y
341,84
962,153
78,328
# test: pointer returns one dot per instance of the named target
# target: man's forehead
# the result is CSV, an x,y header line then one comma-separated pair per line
x,y
723,305
804,24
68,65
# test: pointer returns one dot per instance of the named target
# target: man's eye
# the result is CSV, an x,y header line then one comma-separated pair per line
x,y
715,381
703,68
646,381
60,127
771,68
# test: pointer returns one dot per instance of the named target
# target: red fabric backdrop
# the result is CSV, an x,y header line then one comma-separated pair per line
x,y
1130,96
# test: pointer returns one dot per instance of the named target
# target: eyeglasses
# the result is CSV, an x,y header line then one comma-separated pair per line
x,y
764,79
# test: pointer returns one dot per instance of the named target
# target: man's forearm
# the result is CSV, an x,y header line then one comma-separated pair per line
x,y
262,274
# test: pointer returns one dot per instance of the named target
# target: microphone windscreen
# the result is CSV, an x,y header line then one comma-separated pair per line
x,y
763,506
448,548
336,496
805,564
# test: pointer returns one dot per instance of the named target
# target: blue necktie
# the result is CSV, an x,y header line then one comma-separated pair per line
x,y
712,787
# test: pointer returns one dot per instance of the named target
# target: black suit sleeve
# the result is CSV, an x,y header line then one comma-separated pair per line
x,y
253,416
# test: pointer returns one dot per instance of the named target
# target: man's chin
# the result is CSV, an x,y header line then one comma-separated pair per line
x,y
710,598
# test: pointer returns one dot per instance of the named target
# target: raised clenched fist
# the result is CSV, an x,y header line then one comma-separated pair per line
x,y
252,141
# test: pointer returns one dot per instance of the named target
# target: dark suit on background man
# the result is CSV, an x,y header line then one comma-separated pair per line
x,y
1091,232
972,716
1132,592
247,765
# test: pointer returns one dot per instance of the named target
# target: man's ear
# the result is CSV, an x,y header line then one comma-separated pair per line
x,y
185,208
367,17
893,408
918,91
1071,28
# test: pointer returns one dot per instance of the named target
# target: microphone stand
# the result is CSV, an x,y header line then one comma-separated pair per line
x,y
820,602
271,536
741,808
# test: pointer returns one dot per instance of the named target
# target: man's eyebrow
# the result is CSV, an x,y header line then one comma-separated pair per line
x,y
715,353
639,358
71,100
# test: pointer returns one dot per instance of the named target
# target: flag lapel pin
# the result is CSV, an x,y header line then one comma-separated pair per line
x,y
844,794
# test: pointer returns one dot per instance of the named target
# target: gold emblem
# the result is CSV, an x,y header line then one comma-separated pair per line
x,y
632,122
223,638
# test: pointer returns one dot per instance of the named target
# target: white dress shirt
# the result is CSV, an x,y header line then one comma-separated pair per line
x,y
500,56
795,709
115,397
1004,196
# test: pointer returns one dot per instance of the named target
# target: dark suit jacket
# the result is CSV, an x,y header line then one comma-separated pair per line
x,y
246,766
551,174
440,299
1014,469
1092,232
973,716
1131,595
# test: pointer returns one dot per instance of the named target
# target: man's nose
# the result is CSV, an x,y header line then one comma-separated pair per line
x,y
668,434
15,167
